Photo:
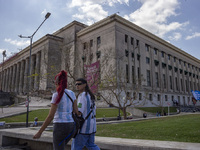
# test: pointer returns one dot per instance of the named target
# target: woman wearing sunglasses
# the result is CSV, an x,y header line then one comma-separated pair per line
x,y
60,113
86,107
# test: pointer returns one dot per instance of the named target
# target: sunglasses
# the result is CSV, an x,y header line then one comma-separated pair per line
x,y
78,84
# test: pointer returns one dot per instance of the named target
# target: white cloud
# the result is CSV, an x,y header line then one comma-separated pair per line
x,y
194,35
176,36
153,16
17,43
90,11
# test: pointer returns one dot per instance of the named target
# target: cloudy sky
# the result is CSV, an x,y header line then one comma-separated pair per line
x,y
176,21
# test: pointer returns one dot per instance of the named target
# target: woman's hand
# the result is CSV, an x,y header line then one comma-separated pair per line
x,y
37,135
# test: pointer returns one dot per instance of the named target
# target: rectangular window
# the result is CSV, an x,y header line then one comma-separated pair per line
x,y
148,78
150,97
91,43
158,97
174,59
169,57
127,79
165,97
181,88
147,60
132,41
126,38
84,45
157,80
186,85
137,42
98,40
163,54
139,77
155,51
147,47
140,96
170,82
180,61
133,76
164,81
176,79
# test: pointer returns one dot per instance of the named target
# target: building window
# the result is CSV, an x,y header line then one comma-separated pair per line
x,y
170,82
126,38
163,54
84,45
139,77
157,80
165,97
176,79
147,60
132,40
168,56
140,96
126,52
133,76
137,42
155,51
186,85
164,81
150,97
181,88
127,79
158,97
147,47
98,40
148,78
174,59
180,61
91,43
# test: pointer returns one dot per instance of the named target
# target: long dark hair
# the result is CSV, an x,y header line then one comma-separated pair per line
x,y
87,89
61,81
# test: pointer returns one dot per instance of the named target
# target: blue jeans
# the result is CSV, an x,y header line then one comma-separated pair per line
x,y
82,140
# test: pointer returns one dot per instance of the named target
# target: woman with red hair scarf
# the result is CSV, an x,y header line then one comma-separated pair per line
x,y
60,113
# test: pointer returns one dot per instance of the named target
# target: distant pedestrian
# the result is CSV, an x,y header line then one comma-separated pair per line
x,y
35,124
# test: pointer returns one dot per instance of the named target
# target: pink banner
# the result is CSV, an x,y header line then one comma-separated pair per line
x,y
92,76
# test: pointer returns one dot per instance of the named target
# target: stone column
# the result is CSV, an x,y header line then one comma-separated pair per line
x,y
21,77
4,80
8,85
31,86
13,78
37,71
17,77
25,86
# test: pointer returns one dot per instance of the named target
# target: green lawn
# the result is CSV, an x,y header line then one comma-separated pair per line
x,y
174,128
42,114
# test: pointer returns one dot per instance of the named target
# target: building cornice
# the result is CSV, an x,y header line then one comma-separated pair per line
x,y
68,26
135,27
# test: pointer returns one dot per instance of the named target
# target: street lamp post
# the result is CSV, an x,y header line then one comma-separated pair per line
x,y
29,66
4,55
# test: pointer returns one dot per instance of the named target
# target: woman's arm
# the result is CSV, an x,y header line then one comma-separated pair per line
x,y
47,121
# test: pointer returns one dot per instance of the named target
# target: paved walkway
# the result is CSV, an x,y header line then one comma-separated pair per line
x,y
35,103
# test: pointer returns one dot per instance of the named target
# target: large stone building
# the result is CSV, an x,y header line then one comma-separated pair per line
x,y
133,55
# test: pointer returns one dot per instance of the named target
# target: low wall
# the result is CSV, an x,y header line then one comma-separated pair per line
x,y
15,136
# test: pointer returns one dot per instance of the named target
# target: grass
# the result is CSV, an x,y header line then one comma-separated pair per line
x,y
42,114
184,128
155,109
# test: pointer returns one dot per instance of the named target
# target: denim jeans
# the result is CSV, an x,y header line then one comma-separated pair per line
x,y
82,140
61,131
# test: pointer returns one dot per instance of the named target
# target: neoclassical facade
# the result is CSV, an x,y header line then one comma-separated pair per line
x,y
135,56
